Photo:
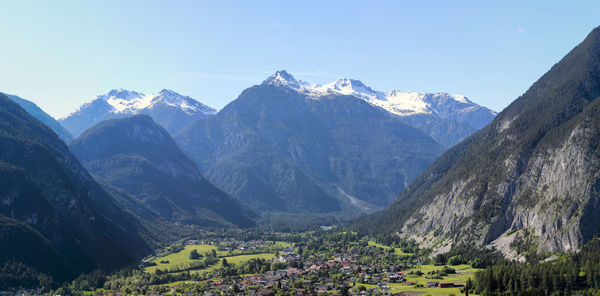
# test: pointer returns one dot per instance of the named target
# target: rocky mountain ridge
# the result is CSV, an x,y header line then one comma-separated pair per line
x,y
528,181
446,117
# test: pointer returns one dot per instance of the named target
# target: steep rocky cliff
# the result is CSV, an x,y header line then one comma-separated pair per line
x,y
529,181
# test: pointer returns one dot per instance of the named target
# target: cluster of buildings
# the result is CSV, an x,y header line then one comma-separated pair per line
x,y
22,292
356,271
314,277
444,285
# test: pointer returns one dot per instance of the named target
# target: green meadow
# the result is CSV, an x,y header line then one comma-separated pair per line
x,y
182,258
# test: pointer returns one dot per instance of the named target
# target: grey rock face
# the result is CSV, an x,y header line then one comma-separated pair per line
x,y
555,197
533,171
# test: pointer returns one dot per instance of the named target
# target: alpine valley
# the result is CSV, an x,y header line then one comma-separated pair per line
x,y
335,151
295,188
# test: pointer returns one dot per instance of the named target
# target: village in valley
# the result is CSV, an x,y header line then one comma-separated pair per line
x,y
311,263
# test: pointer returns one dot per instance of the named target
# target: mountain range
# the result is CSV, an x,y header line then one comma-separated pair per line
x,y
170,109
447,118
279,149
138,156
264,155
284,146
143,170
528,181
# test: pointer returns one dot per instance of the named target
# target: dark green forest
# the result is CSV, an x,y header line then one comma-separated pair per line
x,y
577,274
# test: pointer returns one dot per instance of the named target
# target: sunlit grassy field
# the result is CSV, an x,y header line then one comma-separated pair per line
x,y
397,251
182,258
237,259
179,258
396,288
464,271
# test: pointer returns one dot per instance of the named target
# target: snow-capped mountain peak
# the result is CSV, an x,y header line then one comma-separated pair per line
x,y
185,103
168,92
284,79
281,77
170,97
395,101
167,107
126,101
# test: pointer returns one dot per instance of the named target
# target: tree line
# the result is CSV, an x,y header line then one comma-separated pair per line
x,y
577,273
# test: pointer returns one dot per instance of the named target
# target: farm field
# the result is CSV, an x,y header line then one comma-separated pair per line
x,y
182,258
397,288
397,251
463,272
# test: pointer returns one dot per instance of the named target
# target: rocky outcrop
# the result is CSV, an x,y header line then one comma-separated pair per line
x,y
556,198
528,182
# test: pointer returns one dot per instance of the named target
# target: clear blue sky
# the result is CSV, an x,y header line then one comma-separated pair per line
x,y
62,53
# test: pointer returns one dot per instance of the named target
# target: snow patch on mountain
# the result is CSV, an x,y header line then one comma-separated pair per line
x,y
402,103
131,102
349,87
395,101
185,103
125,101
285,79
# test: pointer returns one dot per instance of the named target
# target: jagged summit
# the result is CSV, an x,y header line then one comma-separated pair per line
x,y
284,79
167,91
280,77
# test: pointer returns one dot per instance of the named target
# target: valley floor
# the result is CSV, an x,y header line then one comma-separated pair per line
x,y
334,262
311,263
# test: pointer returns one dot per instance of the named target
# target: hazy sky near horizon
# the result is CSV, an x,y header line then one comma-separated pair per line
x,y
61,54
